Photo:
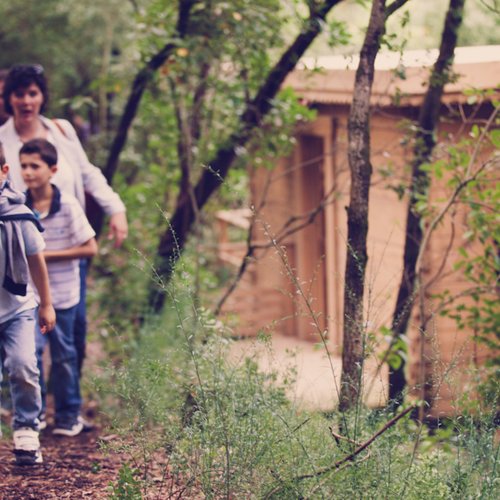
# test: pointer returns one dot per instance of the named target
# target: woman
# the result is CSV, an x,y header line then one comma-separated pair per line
x,y
25,96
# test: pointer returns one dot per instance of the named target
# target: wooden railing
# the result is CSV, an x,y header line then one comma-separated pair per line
x,y
232,252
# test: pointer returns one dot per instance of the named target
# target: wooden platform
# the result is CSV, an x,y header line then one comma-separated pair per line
x,y
318,376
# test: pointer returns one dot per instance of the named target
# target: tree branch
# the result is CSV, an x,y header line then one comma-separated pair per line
x,y
394,6
351,456
174,238
143,77
284,232
424,145
141,80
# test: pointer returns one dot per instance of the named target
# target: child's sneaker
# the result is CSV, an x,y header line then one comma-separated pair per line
x,y
27,447
87,426
43,422
69,429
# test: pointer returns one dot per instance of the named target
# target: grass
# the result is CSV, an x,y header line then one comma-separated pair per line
x,y
194,424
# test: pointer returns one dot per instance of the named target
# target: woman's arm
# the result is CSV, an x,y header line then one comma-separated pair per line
x,y
85,251
118,228
96,185
92,177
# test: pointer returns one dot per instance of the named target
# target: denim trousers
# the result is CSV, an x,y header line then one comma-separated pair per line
x,y
80,330
17,338
65,382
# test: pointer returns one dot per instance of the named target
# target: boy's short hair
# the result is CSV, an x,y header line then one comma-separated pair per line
x,y
2,156
44,148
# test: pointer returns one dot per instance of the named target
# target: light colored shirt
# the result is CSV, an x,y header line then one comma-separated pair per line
x,y
64,178
76,175
11,304
66,228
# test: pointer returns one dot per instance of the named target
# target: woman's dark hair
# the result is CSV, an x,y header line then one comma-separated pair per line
x,y
21,76
44,148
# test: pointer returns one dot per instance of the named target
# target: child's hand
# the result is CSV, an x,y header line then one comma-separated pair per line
x,y
46,318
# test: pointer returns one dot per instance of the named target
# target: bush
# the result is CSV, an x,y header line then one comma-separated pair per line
x,y
195,423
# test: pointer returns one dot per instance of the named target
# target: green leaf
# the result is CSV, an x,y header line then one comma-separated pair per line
x,y
495,137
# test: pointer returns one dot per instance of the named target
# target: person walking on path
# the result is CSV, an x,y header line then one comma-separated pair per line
x,y
68,237
25,97
21,248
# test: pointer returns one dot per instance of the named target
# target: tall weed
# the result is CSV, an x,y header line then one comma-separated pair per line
x,y
215,428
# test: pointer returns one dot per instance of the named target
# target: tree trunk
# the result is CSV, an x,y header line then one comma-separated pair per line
x,y
424,145
357,212
180,225
141,80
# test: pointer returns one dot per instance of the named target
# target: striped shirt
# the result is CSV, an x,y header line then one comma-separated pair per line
x,y
66,226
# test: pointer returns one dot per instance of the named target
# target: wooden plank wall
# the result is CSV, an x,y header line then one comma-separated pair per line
x,y
315,257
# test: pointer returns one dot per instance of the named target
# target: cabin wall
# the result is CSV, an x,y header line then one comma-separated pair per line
x,y
296,285
442,354
312,287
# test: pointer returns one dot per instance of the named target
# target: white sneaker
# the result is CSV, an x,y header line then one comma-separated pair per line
x,y
27,446
43,422
87,426
69,430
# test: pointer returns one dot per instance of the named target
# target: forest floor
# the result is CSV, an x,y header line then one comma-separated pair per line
x,y
72,468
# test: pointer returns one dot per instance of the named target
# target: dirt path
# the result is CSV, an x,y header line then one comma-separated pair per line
x,y
73,468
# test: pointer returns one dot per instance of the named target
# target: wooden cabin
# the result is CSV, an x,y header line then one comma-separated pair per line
x,y
294,286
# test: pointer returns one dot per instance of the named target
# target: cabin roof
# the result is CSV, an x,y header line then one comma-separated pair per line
x,y
399,78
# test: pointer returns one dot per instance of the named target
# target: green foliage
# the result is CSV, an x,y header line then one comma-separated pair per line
x,y
426,479
127,486
69,38
215,427
397,351
469,169
188,114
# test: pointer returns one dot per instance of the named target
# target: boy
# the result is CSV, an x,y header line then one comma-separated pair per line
x,y
21,248
68,237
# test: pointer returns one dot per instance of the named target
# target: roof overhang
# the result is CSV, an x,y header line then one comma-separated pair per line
x,y
400,79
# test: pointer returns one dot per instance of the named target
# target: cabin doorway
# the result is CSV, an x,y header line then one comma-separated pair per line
x,y
310,248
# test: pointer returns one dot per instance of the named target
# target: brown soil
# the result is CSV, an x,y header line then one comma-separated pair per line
x,y
77,468
73,468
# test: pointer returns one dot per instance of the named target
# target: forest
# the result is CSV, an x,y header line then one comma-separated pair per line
x,y
260,185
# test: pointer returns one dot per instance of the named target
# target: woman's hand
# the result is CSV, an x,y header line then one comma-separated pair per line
x,y
118,228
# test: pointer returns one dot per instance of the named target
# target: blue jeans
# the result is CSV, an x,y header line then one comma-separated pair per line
x,y
17,337
81,318
64,373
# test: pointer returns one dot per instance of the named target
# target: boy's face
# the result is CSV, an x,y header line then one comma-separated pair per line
x,y
35,172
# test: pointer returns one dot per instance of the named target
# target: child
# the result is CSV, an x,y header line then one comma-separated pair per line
x,y
68,237
21,248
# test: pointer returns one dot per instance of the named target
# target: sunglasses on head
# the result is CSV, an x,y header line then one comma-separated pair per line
x,y
27,69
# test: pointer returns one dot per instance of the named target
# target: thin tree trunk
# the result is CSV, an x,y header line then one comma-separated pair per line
x,y
180,225
141,80
105,63
424,145
357,212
